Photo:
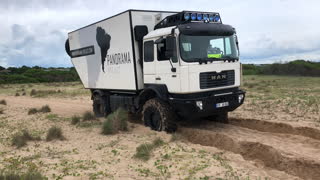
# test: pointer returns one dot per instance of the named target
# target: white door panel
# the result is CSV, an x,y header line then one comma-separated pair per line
x,y
164,75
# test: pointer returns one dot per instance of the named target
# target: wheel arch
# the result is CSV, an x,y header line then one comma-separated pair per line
x,y
152,91
97,92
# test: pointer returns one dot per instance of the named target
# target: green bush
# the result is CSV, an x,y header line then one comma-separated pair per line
x,y
75,120
87,116
144,151
36,74
293,68
20,139
108,127
116,121
30,175
3,102
32,111
55,133
45,109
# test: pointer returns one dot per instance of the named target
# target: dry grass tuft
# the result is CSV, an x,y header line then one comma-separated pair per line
x,y
3,102
32,111
144,151
87,116
55,133
75,120
20,139
30,175
45,109
117,121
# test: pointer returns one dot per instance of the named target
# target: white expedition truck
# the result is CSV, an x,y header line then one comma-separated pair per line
x,y
164,65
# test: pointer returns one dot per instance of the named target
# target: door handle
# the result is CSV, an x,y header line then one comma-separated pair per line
x,y
158,78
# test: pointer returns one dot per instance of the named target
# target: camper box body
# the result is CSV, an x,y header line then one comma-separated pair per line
x,y
120,68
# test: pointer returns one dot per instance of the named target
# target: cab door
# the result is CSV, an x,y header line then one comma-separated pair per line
x,y
167,68
149,63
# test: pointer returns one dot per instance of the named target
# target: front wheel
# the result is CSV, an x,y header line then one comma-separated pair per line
x,y
159,116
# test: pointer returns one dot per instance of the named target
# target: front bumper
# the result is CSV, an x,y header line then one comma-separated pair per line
x,y
205,104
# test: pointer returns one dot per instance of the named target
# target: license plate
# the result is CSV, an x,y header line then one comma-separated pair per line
x,y
223,104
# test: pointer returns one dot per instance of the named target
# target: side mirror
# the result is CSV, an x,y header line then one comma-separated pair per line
x,y
170,46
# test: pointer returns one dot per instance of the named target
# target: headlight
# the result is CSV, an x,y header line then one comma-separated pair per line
x,y
240,97
199,104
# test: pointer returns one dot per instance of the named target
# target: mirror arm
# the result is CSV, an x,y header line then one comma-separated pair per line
x,y
173,69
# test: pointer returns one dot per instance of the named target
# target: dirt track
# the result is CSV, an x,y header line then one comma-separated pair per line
x,y
278,146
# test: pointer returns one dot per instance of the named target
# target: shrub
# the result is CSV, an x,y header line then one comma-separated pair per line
x,y
17,94
20,139
3,102
75,120
55,133
117,121
87,116
33,92
32,111
24,93
1,111
30,175
158,142
45,109
144,151
108,127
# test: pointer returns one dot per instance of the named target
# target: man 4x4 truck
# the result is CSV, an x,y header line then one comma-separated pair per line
x,y
164,65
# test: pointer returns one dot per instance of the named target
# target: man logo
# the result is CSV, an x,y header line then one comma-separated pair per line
x,y
103,40
219,77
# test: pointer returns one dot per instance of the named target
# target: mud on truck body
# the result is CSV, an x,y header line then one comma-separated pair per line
x,y
164,65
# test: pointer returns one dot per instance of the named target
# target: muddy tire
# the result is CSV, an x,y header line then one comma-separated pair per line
x,y
159,116
100,107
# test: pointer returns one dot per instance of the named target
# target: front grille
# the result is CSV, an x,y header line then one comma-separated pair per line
x,y
214,79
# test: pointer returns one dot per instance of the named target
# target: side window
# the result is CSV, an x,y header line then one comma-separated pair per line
x,y
161,50
228,46
148,51
186,47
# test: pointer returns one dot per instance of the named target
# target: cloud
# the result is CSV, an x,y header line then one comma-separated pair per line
x,y
33,32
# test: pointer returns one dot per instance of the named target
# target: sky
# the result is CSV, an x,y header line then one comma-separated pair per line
x,y
33,32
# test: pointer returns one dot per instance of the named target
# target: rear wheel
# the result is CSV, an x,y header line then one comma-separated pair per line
x,y
159,116
100,106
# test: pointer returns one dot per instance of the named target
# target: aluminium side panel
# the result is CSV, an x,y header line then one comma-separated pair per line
x,y
102,54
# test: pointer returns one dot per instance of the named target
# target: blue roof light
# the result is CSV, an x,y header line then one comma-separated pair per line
x,y
193,16
186,16
216,18
199,17
205,17
211,17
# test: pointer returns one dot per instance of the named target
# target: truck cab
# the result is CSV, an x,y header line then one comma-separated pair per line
x,y
197,61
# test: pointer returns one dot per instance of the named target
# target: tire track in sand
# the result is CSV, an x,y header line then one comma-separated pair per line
x,y
276,127
287,154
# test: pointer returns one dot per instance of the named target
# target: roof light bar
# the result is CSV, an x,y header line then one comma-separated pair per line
x,y
185,16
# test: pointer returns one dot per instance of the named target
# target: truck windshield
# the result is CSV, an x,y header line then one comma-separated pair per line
x,y
208,48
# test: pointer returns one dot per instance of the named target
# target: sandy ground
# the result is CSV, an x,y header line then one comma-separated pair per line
x,y
244,149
